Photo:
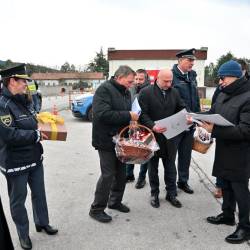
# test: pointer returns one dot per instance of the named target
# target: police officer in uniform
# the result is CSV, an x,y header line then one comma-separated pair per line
x,y
184,80
21,154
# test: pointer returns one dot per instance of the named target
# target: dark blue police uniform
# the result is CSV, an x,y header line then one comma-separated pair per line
x,y
21,160
186,84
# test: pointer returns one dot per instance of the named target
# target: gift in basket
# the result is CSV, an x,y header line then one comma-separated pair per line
x,y
135,144
202,140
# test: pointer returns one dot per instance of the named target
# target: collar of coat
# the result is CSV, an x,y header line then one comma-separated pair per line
x,y
238,87
191,74
120,87
22,99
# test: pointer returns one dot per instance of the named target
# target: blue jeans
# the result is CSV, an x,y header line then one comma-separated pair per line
x,y
142,173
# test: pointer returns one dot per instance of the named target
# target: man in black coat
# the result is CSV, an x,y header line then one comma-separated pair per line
x,y
232,153
159,101
111,112
184,81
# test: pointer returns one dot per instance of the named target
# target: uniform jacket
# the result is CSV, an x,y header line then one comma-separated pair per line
x,y
187,87
19,150
232,153
155,107
111,112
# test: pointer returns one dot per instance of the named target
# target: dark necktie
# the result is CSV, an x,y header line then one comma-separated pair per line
x,y
164,93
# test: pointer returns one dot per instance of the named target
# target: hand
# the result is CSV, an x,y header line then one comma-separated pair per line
x,y
158,129
189,119
208,126
44,136
134,116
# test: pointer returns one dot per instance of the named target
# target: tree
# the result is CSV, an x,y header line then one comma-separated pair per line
x,y
99,64
65,67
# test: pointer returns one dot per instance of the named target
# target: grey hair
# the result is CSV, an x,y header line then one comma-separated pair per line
x,y
124,71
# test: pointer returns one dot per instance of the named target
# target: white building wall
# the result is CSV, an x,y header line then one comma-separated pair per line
x,y
157,65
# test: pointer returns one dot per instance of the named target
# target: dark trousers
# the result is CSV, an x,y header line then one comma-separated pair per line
x,y
5,239
184,143
169,175
17,190
111,184
236,192
142,173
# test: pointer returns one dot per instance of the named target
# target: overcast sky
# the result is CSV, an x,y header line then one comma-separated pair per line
x,y
50,32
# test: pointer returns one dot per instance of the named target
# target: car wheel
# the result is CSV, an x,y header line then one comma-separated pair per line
x,y
90,114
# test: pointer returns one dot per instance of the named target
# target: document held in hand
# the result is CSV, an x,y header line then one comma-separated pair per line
x,y
175,124
136,107
213,118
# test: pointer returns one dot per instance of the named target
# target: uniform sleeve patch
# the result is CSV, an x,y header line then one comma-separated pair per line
x,y
6,120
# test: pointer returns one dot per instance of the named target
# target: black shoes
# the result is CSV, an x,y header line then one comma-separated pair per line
x,y
155,201
185,187
120,207
130,178
100,216
47,229
140,183
221,219
239,236
172,199
25,243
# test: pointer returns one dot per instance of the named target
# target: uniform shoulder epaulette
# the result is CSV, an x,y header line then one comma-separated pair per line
x,y
4,101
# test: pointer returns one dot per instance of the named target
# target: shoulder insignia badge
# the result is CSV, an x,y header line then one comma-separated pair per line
x,y
6,120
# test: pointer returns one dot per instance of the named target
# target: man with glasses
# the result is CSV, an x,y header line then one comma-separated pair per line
x,y
184,80
232,161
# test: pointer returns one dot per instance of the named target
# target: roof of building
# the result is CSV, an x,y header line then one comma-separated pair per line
x,y
68,75
113,54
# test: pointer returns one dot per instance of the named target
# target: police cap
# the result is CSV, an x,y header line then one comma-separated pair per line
x,y
189,53
18,71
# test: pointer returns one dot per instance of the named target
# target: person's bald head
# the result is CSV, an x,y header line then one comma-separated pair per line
x,y
165,78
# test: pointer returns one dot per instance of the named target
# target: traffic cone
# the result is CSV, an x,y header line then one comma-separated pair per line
x,y
54,110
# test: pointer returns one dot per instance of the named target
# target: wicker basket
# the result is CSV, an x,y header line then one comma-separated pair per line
x,y
129,150
201,147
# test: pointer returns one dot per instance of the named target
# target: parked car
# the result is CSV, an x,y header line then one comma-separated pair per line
x,y
82,106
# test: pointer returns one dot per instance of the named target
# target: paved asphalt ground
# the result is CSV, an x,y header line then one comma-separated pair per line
x,y
71,173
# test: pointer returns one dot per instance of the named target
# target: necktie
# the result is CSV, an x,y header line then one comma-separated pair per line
x,y
164,93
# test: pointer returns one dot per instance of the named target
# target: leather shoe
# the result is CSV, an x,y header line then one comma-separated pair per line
x,y
100,216
25,243
47,229
155,201
140,183
120,207
185,187
239,236
221,219
172,199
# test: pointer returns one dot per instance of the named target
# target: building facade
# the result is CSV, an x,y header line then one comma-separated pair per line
x,y
154,60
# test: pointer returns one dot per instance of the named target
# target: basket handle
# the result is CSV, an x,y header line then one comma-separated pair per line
x,y
137,125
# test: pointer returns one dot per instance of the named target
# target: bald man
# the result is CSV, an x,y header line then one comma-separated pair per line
x,y
159,101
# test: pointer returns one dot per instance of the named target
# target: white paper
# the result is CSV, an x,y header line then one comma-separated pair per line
x,y
136,107
175,124
213,118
